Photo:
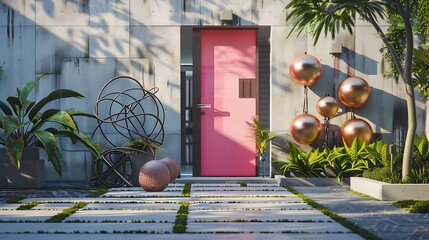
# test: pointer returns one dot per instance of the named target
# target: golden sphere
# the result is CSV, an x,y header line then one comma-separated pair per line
x,y
356,128
305,69
327,106
353,91
305,128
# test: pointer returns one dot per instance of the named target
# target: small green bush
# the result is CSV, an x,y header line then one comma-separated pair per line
x,y
420,207
404,203
378,174
420,175
413,206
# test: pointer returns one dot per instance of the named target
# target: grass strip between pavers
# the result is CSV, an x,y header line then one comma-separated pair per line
x,y
99,191
181,218
66,212
15,199
187,190
28,206
352,226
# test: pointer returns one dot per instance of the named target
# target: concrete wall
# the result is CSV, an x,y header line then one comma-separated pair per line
x,y
82,44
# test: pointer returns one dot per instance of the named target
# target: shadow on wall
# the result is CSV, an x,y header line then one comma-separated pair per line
x,y
359,62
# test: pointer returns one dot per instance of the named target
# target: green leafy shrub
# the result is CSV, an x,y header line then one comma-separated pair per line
x,y
348,161
420,207
378,154
379,174
261,136
421,152
413,206
23,124
419,176
301,163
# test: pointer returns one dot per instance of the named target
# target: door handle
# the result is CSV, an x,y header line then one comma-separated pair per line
x,y
204,105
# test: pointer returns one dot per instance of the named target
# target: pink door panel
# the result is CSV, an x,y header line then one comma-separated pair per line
x,y
226,57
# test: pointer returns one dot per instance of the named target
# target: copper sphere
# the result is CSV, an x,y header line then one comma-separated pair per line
x,y
305,128
305,69
353,91
172,166
154,176
356,128
327,106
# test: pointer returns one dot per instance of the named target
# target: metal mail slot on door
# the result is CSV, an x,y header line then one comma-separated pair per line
x,y
202,105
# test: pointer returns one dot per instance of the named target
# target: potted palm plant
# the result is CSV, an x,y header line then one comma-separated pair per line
x,y
27,126
262,138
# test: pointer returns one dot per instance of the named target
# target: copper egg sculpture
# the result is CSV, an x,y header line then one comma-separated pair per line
x,y
354,91
305,128
327,106
305,69
172,166
356,128
154,176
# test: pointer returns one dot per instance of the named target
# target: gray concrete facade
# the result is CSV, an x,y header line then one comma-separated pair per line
x,y
82,44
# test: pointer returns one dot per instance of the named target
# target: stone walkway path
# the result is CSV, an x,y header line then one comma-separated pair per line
x,y
379,217
215,211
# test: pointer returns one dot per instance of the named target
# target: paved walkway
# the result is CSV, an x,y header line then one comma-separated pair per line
x,y
216,211
379,217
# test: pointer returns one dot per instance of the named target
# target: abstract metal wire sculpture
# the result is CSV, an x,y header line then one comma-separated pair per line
x,y
130,119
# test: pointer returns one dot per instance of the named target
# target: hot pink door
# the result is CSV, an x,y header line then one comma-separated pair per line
x,y
228,70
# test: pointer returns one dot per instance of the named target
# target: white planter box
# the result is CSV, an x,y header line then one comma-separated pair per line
x,y
388,191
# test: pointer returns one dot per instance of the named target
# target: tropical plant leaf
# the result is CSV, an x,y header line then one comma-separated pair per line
x,y
15,104
56,161
26,89
328,17
48,141
11,124
422,145
57,94
14,149
76,112
6,110
262,137
62,118
75,136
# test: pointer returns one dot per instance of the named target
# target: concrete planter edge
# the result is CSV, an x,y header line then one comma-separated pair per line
x,y
388,191
30,175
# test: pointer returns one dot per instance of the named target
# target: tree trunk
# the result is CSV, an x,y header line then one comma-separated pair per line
x,y
411,132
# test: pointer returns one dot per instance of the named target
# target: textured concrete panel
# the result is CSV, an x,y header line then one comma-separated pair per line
x,y
250,206
132,206
251,215
27,215
16,59
109,42
111,13
125,215
162,46
164,193
284,90
17,13
9,206
72,229
271,12
63,13
302,228
147,13
192,236
54,44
